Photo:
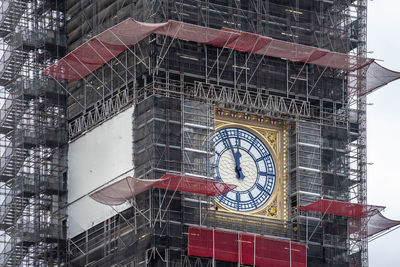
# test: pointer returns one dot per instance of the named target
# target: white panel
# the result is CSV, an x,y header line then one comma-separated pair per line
x,y
86,213
93,160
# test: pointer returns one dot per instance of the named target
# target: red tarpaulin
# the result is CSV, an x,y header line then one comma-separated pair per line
x,y
125,189
100,49
195,185
378,76
248,248
365,220
361,228
342,208
110,43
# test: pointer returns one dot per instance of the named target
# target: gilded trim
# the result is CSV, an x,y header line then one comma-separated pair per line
x,y
273,133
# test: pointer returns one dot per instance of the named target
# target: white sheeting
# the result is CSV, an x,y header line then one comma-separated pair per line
x,y
94,159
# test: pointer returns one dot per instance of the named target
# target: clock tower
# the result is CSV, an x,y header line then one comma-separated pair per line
x,y
213,123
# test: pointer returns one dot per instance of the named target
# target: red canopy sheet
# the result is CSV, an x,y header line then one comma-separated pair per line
x,y
343,208
378,76
194,185
100,49
247,248
125,189
372,226
365,220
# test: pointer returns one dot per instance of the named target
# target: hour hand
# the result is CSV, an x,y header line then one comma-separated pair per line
x,y
238,169
236,157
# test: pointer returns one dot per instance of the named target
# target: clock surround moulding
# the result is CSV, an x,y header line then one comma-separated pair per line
x,y
273,133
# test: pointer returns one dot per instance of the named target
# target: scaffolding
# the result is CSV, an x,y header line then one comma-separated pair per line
x,y
33,122
177,85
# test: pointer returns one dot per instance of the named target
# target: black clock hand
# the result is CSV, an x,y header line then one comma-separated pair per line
x,y
236,156
238,169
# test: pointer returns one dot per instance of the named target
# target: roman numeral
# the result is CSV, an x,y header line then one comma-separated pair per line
x,y
260,187
252,199
265,174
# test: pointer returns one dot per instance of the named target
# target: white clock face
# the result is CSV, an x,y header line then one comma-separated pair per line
x,y
244,160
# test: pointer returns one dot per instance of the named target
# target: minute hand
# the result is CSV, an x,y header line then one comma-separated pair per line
x,y
236,156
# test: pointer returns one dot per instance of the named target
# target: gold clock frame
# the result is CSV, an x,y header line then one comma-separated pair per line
x,y
274,135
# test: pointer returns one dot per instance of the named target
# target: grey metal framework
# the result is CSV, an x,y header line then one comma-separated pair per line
x,y
176,87
33,135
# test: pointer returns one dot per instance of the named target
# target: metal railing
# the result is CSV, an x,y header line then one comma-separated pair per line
x,y
6,109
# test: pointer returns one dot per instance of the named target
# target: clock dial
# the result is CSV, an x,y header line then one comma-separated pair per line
x,y
244,160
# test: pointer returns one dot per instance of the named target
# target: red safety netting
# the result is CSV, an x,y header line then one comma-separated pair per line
x,y
100,49
365,220
103,47
378,76
248,248
361,228
378,222
123,190
198,34
342,208
195,185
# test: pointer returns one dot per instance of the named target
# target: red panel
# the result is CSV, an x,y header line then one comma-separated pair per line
x,y
277,252
272,252
247,248
268,251
200,242
194,185
226,246
299,255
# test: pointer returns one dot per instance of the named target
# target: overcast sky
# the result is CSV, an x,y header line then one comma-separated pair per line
x,y
384,129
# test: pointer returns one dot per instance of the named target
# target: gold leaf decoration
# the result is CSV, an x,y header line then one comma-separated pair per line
x,y
273,209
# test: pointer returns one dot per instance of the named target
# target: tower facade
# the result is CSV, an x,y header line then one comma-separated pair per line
x,y
33,167
262,96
